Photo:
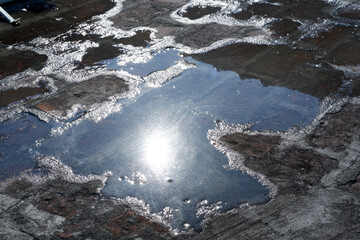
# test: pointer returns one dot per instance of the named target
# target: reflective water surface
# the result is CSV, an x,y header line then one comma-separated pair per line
x,y
17,138
157,146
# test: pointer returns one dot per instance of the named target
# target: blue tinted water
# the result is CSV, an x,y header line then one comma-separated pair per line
x,y
157,146
17,138
161,60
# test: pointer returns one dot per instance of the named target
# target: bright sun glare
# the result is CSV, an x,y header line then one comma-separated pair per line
x,y
157,151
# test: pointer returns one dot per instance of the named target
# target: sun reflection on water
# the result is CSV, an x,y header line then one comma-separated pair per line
x,y
159,150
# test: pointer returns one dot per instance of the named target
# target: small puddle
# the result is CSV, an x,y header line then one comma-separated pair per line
x,y
157,146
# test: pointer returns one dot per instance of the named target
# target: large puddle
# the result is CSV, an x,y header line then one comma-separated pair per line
x,y
157,146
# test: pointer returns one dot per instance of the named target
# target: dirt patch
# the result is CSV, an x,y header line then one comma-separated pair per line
x,y
243,15
301,10
106,50
316,191
14,61
251,145
263,9
51,22
198,36
87,93
10,96
336,130
140,39
309,166
71,211
276,65
310,9
284,27
144,14
340,43
130,223
349,13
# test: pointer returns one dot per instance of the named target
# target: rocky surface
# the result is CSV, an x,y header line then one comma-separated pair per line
x,y
337,131
156,14
276,65
317,195
199,12
51,21
11,95
325,57
317,174
106,49
340,45
13,61
95,90
58,209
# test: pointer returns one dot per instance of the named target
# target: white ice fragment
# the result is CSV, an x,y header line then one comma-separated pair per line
x,y
137,205
100,111
203,202
56,169
186,225
136,177
158,78
208,210
223,16
167,213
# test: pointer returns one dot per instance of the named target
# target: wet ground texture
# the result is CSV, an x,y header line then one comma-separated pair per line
x,y
317,194
311,47
59,209
317,189
55,18
87,93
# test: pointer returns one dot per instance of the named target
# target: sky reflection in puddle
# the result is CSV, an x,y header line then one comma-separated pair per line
x,y
17,137
157,146
160,61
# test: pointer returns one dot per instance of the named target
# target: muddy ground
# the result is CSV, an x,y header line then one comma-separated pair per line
x,y
316,171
